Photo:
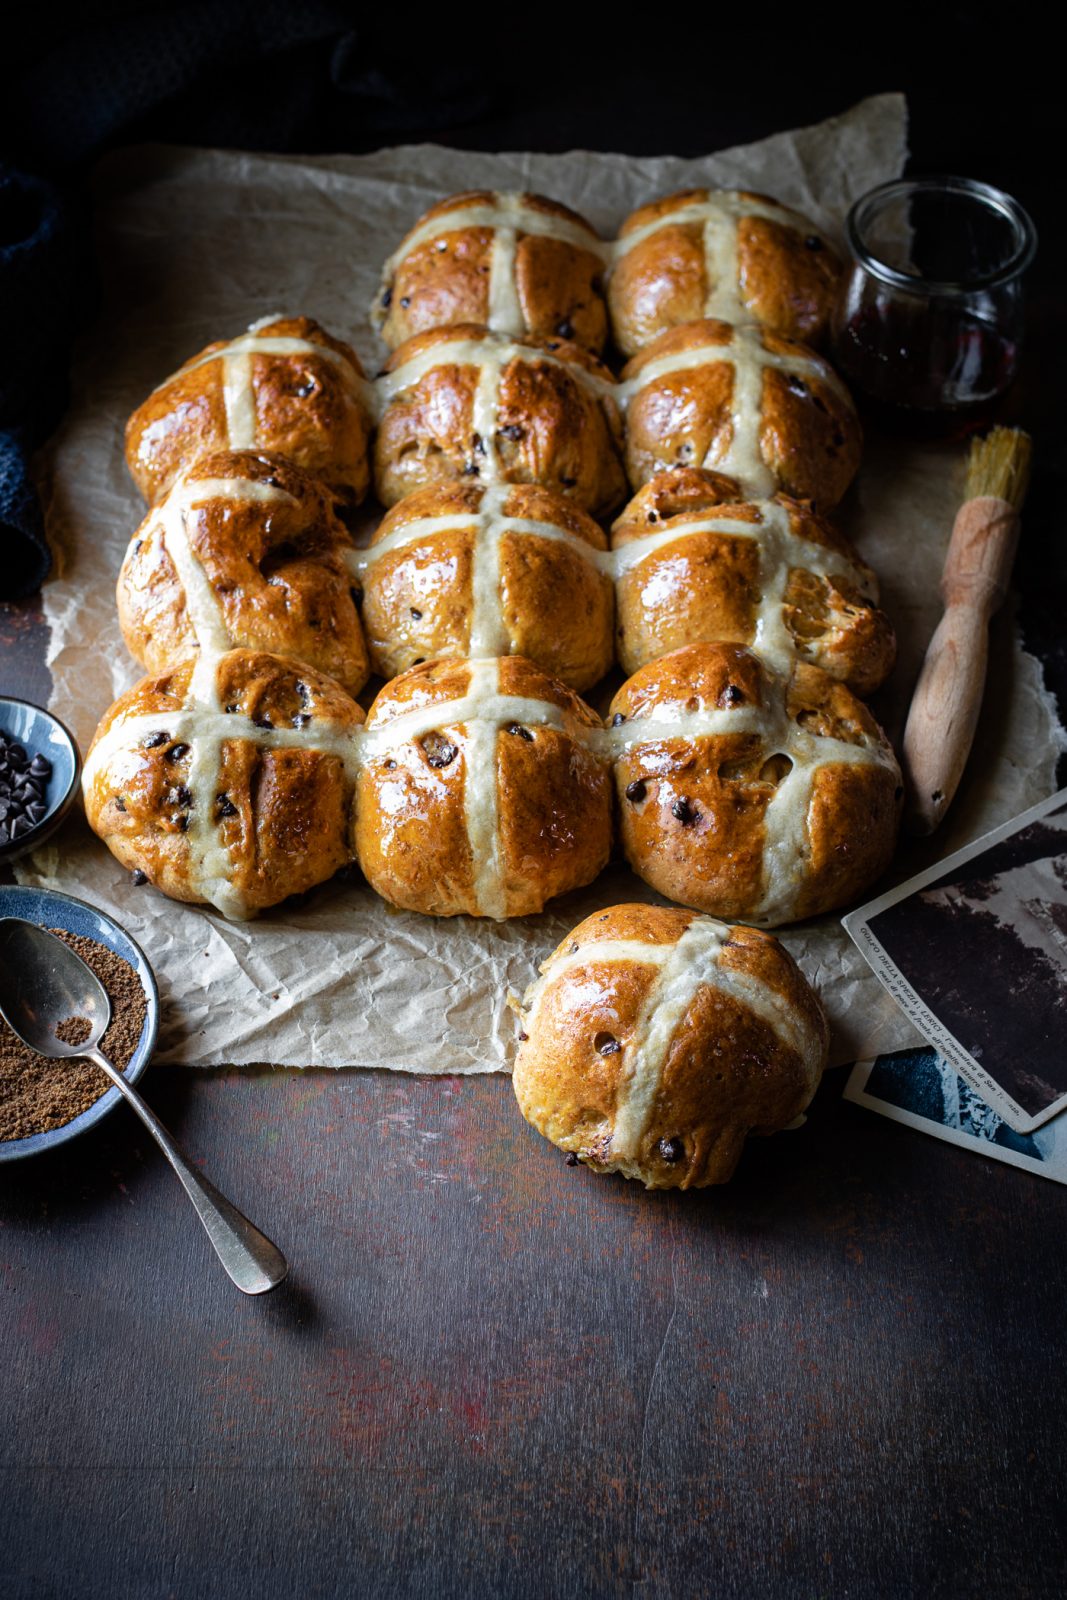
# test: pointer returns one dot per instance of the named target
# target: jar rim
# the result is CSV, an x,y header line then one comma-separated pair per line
x,y
1008,208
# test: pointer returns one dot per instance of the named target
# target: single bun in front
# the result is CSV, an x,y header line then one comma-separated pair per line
x,y
693,562
517,263
464,405
460,570
285,385
481,790
720,253
741,401
228,780
751,793
246,551
655,1041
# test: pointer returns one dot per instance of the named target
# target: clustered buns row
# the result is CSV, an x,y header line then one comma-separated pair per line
x,y
492,453
246,550
463,404
505,443
486,787
656,1040
524,265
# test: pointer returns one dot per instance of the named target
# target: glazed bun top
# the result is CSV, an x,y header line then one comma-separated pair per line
x,y
694,561
519,263
741,401
464,403
228,780
482,792
656,1040
725,253
461,570
751,792
284,385
245,549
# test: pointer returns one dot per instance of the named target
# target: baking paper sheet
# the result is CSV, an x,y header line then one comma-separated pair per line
x,y
194,245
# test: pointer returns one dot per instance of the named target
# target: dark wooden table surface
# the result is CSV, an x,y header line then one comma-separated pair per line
x,y
492,1374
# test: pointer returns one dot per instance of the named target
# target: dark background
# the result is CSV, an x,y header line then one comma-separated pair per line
x,y
491,1374
983,93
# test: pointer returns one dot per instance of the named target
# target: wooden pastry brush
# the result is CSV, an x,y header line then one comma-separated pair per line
x,y
948,696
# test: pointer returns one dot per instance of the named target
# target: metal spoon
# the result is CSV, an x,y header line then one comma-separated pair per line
x,y
42,983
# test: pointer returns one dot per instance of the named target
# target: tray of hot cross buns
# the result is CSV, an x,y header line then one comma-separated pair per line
x,y
508,551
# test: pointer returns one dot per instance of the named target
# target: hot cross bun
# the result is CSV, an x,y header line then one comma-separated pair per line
x,y
285,385
517,263
458,570
724,253
466,405
740,400
655,1041
691,563
748,792
228,780
480,790
244,550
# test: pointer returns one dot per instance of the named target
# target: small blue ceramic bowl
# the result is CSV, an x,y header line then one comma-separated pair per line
x,y
42,734
51,910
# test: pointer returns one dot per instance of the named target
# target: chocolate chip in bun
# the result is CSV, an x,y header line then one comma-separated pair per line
x,y
227,780
466,405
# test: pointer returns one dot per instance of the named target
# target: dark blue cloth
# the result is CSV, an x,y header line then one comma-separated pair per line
x,y
42,279
24,556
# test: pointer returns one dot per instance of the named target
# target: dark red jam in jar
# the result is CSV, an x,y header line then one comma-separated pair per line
x,y
929,325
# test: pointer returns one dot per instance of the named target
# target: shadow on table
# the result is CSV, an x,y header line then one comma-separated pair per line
x,y
844,1171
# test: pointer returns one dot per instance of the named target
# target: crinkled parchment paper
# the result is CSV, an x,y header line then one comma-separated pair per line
x,y
196,244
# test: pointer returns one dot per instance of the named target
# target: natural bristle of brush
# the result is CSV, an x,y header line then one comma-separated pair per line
x,y
999,465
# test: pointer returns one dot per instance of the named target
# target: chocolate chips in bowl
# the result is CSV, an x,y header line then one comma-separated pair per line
x,y
23,787
39,771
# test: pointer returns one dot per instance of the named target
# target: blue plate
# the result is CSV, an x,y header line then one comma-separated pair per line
x,y
51,910
42,734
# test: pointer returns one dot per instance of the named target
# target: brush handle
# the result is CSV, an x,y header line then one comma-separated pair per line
x,y
948,696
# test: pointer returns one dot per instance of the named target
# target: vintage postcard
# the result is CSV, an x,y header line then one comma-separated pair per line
x,y
975,951
922,1090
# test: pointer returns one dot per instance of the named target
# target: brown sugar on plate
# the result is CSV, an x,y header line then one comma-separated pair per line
x,y
37,1094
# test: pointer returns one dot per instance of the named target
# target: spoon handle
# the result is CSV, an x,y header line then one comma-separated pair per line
x,y
252,1261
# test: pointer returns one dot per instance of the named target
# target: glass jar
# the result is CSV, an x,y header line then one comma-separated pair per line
x,y
929,324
